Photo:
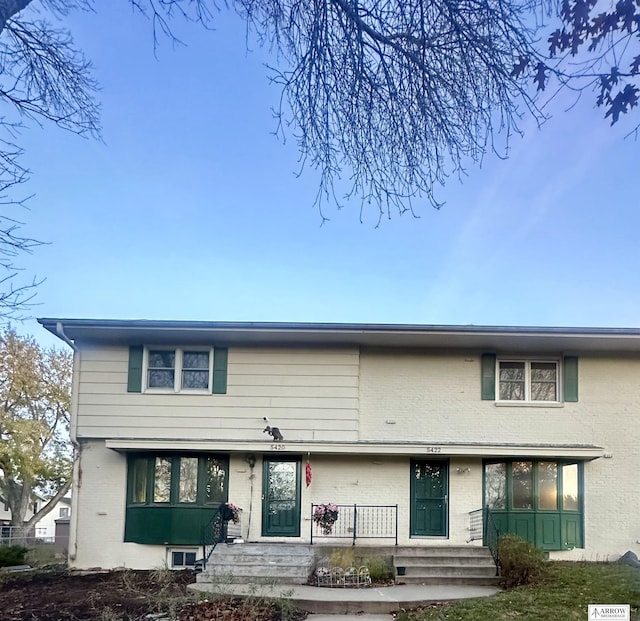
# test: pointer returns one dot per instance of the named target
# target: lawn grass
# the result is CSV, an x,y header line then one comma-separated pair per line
x,y
563,597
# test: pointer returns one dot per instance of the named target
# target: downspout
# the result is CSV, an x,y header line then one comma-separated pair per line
x,y
73,435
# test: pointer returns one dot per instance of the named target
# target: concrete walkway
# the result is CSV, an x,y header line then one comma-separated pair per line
x,y
358,617
374,600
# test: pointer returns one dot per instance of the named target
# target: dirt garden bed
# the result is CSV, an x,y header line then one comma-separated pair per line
x,y
58,595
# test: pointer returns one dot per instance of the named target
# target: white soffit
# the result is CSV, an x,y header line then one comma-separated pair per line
x,y
555,451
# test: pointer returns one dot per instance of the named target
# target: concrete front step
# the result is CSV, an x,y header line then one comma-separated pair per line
x,y
445,551
294,563
443,565
450,570
272,549
413,559
450,580
259,563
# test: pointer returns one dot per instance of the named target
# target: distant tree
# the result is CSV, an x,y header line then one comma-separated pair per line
x,y
386,96
35,452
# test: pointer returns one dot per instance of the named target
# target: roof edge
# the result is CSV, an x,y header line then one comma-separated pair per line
x,y
135,324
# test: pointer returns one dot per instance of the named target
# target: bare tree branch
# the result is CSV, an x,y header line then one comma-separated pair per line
x,y
385,98
43,78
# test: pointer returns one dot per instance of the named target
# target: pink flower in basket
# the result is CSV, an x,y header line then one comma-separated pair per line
x,y
325,516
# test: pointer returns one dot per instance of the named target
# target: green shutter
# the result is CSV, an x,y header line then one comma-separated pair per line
x,y
135,369
570,378
488,377
220,356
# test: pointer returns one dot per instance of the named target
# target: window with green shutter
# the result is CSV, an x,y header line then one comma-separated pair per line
x,y
535,380
177,369
570,378
135,368
489,376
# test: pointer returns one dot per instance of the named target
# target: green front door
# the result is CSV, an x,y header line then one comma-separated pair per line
x,y
429,495
281,498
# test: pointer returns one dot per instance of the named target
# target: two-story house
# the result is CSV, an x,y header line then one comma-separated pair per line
x,y
538,424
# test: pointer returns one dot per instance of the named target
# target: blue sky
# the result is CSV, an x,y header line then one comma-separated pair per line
x,y
191,208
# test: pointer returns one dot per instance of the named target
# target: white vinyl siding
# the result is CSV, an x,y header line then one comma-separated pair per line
x,y
310,395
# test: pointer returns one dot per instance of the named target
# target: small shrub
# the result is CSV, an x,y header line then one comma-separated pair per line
x,y
380,568
520,562
12,555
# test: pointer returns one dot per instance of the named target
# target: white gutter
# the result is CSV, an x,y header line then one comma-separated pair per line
x,y
64,337
73,435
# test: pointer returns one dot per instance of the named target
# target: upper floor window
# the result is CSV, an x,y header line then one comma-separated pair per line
x,y
64,512
179,369
527,380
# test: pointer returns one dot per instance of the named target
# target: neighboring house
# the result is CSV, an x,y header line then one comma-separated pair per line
x,y
44,528
5,512
539,424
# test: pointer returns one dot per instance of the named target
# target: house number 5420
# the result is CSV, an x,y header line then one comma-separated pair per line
x,y
277,447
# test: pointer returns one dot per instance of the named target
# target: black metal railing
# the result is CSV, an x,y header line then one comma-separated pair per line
x,y
491,537
482,525
357,522
213,533
476,519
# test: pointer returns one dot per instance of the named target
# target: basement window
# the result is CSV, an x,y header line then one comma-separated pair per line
x,y
182,558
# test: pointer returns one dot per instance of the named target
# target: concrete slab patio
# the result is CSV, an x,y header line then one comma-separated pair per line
x,y
341,601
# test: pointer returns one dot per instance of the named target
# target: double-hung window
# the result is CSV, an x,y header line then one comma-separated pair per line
x,y
528,380
179,369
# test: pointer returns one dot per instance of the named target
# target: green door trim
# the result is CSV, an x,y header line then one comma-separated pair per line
x,y
284,522
438,502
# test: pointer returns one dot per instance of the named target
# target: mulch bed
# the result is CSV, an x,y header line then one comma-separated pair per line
x,y
126,595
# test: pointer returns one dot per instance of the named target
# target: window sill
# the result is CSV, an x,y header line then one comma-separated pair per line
x,y
161,391
529,404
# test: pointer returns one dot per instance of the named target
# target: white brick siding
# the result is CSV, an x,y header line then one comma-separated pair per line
x,y
369,396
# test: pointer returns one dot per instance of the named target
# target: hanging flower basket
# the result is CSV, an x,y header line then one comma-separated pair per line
x,y
325,516
230,512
